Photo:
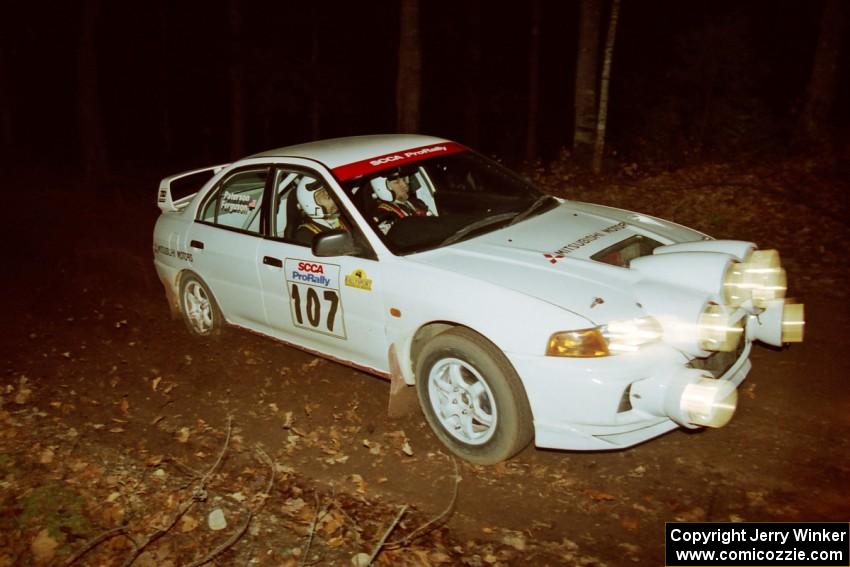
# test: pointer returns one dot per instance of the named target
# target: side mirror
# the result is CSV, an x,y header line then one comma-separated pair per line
x,y
335,243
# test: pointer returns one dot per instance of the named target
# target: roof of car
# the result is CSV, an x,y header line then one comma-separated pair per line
x,y
336,152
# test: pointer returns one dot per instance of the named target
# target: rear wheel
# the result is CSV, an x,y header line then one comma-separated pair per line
x,y
198,307
472,397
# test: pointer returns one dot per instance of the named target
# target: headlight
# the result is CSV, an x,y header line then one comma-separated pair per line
x,y
628,336
717,330
584,343
612,338
759,277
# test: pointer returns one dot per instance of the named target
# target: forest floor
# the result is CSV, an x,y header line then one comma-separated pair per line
x,y
123,436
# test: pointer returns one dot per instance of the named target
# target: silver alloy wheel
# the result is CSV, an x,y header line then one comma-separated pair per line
x,y
198,308
462,401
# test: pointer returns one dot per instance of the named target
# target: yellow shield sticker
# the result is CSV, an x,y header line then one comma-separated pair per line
x,y
358,279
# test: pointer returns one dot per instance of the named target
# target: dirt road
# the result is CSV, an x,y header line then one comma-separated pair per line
x,y
111,413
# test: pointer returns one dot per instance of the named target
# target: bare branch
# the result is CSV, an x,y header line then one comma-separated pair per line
x,y
263,456
312,532
95,541
226,544
388,531
198,494
424,528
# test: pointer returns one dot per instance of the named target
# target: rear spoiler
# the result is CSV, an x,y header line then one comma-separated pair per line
x,y
164,198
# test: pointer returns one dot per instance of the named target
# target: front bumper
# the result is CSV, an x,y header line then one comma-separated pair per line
x,y
614,402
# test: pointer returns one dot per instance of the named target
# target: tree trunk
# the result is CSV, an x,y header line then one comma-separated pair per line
x,y
6,136
584,126
533,82
237,92
472,107
315,104
408,84
91,129
166,138
601,123
814,122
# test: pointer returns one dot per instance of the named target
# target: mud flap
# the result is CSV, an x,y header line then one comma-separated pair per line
x,y
403,399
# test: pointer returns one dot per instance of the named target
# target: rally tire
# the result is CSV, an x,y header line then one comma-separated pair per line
x,y
198,307
472,397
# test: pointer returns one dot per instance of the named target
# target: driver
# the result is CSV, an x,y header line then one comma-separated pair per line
x,y
321,211
393,192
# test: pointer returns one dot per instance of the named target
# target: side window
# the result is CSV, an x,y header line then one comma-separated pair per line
x,y
237,202
286,216
298,219
304,206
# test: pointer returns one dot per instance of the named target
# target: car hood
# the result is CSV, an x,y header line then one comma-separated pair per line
x,y
548,257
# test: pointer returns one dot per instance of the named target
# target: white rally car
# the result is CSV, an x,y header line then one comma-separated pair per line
x,y
517,315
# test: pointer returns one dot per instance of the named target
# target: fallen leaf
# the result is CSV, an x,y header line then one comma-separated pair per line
x,y
361,484
24,391
188,523
155,382
183,435
43,547
407,449
599,495
515,540
292,506
46,456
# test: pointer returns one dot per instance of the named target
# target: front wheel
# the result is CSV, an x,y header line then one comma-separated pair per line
x,y
472,397
198,307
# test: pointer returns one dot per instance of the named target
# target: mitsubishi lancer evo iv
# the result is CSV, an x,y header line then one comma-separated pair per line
x,y
517,316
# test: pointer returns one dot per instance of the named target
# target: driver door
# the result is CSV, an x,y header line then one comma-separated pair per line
x,y
331,305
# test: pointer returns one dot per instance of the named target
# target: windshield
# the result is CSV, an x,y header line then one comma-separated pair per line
x,y
442,200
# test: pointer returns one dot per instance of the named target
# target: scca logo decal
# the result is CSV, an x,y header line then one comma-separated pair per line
x,y
307,267
385,160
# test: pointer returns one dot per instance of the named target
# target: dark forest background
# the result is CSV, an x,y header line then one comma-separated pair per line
x,y
163,85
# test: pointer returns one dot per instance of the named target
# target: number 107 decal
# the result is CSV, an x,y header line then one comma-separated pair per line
x,y
314,298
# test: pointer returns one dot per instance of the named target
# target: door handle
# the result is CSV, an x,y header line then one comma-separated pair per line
x,y
196,244
269,261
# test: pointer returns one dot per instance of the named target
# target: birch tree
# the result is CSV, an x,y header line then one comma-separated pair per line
x,y
602,120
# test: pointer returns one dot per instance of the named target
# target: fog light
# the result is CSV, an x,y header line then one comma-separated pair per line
x,y
793,322
759,277
709,402
736,290
717,330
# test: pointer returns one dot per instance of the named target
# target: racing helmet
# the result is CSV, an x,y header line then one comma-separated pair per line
x,y
381,188
306,195
381,185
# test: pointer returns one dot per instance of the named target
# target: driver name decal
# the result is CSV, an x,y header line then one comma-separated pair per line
x,y
556,255
236,203
314,299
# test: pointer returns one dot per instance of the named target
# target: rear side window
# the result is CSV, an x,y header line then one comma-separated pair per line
x,y
237,201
